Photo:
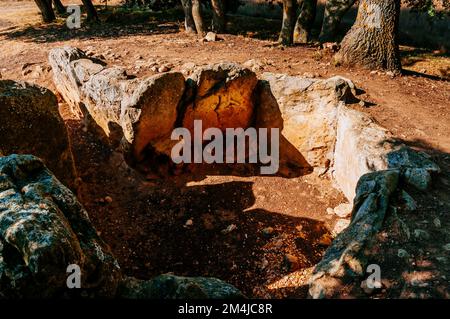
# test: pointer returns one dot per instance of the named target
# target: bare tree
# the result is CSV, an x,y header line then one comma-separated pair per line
x,y
372,40
188,19
59,6
287,28
90,10
198,16
218,22
334,12
305,20
45,6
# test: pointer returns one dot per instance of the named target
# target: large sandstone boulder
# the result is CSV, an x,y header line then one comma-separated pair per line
x,y
145,110
71,68
31,124
363,146
223,97
43,230
309,110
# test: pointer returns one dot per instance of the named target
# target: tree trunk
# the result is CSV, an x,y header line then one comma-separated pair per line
x,y
287,29
334,12
189,24
372,41
218,22
305,20
90,9
59,7
198,17
45,6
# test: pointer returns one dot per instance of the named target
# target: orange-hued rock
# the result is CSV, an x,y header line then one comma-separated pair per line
x,y
223,97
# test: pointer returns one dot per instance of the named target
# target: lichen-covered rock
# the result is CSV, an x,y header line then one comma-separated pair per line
x,y
345,260
223,97
417,167
71,68
43,230
309,111
31,124
177,287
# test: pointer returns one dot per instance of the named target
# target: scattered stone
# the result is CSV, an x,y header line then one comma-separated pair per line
x,y
264,263
189,222
254,65
229,229
390,73
291,262
447,247
401,253
211,37
343,210
421,234
163,69
330,211
268,231
187,68
340,226
332,46
108,199
362,103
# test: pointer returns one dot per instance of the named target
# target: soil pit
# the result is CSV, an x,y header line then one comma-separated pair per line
x,y
262,234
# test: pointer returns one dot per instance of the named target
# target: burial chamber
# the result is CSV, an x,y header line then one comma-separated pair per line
x,y
319,134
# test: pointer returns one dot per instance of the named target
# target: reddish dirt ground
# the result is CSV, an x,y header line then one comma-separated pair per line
x,y
185,224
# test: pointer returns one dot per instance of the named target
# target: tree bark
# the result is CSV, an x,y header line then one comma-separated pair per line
x,y
372,41
59,7
45,6
334,12
189,23
90,10
198,17
218,22
305,21
287,29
